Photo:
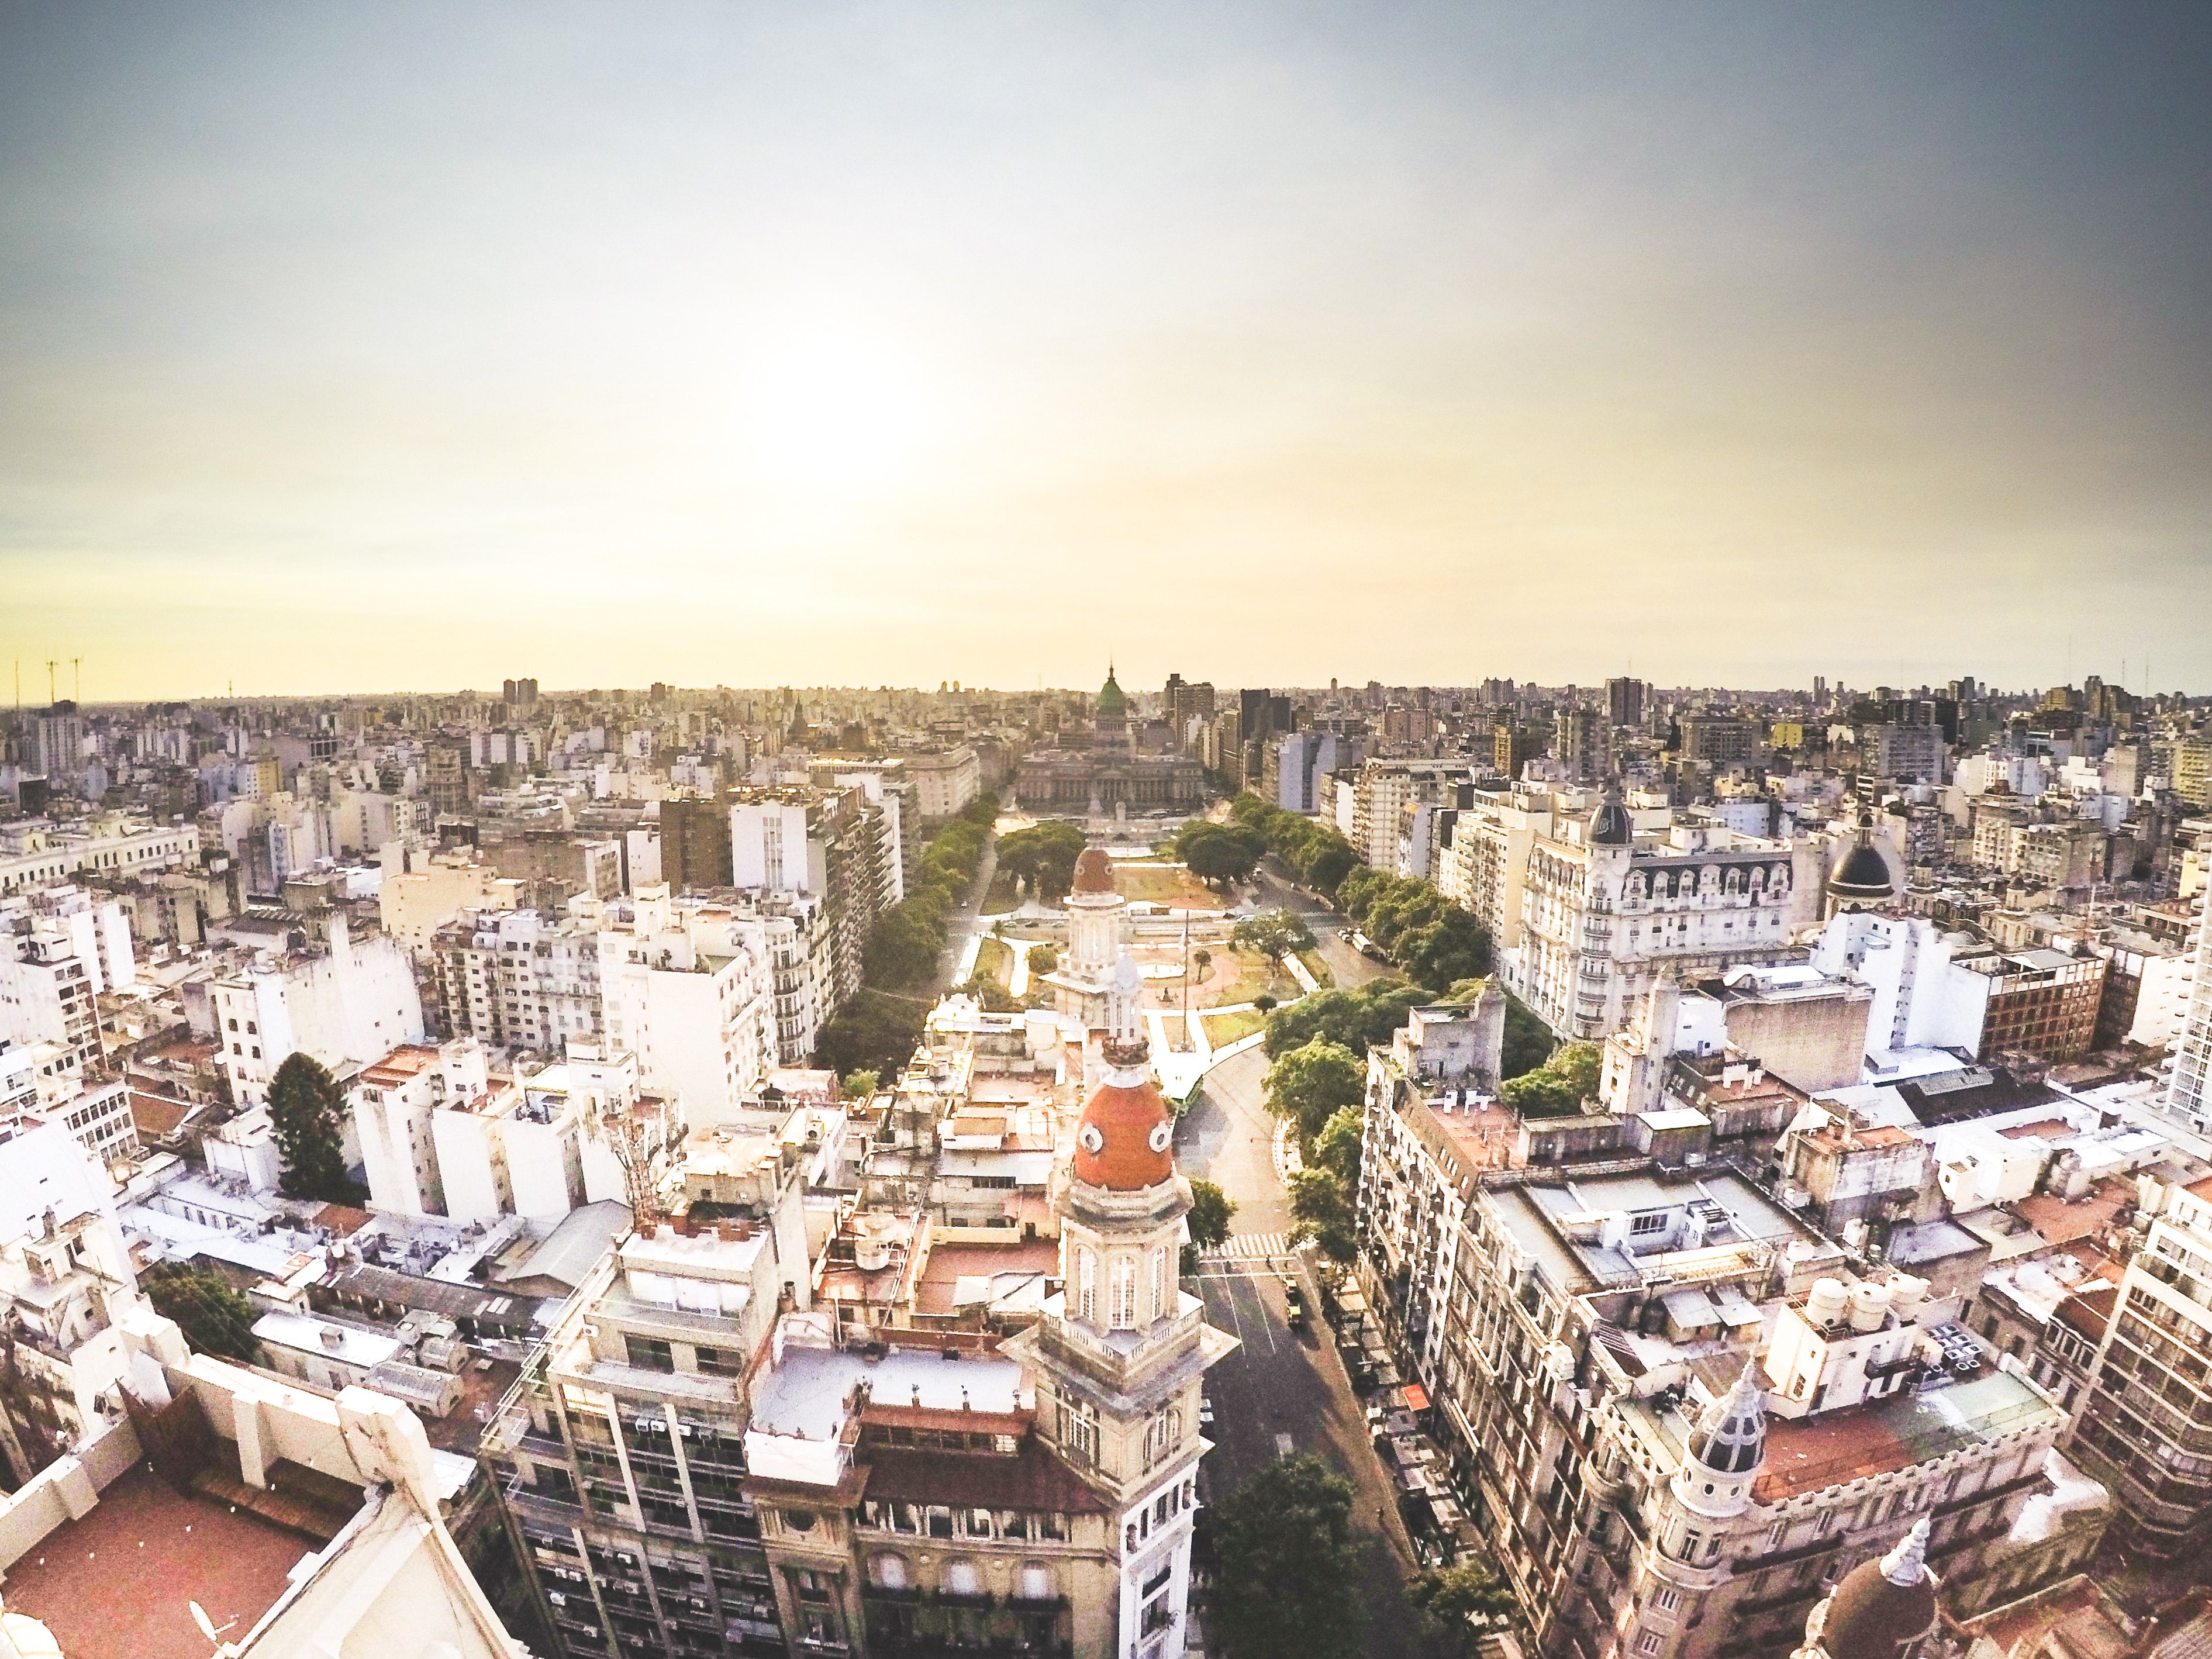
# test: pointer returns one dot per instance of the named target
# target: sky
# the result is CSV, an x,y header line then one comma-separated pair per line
x,y
369,348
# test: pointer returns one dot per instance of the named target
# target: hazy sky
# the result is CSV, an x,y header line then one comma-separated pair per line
x,y
369,346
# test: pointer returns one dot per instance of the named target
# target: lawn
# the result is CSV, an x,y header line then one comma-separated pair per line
x,y
994,961
1222,1030
1005,896
1238,976
1170,884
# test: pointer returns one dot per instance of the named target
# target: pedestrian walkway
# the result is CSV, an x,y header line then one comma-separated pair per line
x,y
1251,1247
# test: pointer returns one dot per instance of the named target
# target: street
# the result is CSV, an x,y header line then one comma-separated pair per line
x,y
1282,1389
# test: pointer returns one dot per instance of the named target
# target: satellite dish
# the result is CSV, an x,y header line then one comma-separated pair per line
x,y
207,1627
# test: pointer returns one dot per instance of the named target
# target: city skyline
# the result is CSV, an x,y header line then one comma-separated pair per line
x,y
1450,343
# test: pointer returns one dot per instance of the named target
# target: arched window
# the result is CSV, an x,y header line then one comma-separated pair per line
x,y
1035,1582
1123,1316
1159,1284
1086,1284
962,1578
888,1573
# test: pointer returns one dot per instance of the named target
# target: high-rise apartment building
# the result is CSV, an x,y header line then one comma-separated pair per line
x,y
2189,1085
1624,701
829,844
623,1455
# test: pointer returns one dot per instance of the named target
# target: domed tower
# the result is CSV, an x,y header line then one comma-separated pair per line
x,y
1610,825
1688,1557
1109,719
1120,1353
1862,881
1882,1609
1097,915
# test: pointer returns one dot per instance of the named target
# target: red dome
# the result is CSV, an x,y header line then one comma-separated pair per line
x,y
1094,871
1114,1141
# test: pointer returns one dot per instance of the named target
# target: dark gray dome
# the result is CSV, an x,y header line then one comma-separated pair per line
x,y
1864,875
1609,824
1730,1437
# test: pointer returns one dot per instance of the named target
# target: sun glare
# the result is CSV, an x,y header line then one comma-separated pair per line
x,y
832,412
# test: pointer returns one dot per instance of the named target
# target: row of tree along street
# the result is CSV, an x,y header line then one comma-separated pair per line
x,y
877,1030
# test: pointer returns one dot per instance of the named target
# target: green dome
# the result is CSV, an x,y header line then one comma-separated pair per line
x,y
1112,704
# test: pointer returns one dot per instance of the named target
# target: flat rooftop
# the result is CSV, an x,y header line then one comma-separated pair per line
x,y
805,1393
116,1581
1832,1448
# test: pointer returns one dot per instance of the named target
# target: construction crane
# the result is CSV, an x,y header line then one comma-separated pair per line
x,y
52,663
76,667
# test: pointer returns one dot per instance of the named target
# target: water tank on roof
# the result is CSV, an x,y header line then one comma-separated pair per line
x,y
1905,1294
1827,1301
1869,1306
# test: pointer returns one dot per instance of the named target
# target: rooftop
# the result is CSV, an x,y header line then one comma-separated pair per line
x,y
1831,1448
804,1393
150,1552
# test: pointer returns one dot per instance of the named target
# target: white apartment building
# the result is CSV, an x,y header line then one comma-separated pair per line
x,y
425,893
66,1284
60,950
1605,908
38,854
2189,1089
1922,1000
337,1001
1381,793
1483,869
392,1102
688,988
519,979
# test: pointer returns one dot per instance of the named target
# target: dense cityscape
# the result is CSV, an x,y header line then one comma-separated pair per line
x,y
1592,1170
992,830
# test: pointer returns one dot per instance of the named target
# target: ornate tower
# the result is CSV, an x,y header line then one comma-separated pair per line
x,y
1120,1353
1096,917
1688,1557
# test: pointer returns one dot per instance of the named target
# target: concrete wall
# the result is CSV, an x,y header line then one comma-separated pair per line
x,y
64,1490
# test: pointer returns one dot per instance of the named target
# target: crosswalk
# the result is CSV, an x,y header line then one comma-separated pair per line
x,y
1252,1247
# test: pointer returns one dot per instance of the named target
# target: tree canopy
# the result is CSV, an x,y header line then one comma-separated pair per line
x,y
1311,1084
1559,1086
1320,856
875,1031
215,1318
1463,1601
1272,932
1357,1019
1043,857
1210,1210
1218,852
1291,1584
306,1115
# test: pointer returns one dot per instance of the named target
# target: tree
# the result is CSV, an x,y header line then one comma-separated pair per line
x,y
1293,1584
1449,948
1043,857
1218,853
990,996
875,1030
904,947
1463,1601
1274,934
1358,1018
859,1082
306,1115
1324,1214
1310,1085
1336,1148
1265,1002
1044,960
1204,958
215,1318
1559,1087
1209,1220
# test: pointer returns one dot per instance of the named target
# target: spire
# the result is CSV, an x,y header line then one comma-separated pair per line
x,y
1127,1046
1731,1434
1907,1564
